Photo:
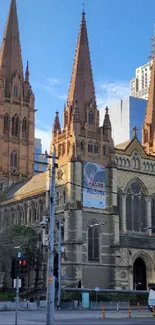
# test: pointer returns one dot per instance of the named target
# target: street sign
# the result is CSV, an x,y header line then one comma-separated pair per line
x,y
15,283
97,289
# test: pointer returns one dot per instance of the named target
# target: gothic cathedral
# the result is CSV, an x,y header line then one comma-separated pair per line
x,y
16,108
108,234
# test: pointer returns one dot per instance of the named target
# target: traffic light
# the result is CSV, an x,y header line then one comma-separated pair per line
x,y
22,265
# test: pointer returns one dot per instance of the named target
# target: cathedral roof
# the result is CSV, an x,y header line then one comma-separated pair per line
x,y
22,190
123,145
127,147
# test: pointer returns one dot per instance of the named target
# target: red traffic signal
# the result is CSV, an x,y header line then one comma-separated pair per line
x,y
22,262
21,265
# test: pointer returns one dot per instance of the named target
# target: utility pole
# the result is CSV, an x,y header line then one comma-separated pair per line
x,y
59,264
17,291
17,300
50,266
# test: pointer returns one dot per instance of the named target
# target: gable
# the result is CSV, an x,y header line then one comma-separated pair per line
x,y
128,147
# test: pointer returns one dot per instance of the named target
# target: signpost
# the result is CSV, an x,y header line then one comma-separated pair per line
x,y
97,290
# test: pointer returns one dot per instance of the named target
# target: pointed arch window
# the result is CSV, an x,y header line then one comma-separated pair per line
x,y
15,125
93,243
40,210
81,145
15,91
13,159
90,118
119,207
90,147
6,124
34,213
25,221
104,150
57,198
64,196
136,213
24,128
96,148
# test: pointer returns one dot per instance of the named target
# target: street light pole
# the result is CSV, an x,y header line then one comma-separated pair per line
x,y
17,291
59,264
50,266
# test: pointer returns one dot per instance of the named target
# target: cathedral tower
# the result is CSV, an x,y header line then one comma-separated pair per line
x,y
16,107
85,152
81,138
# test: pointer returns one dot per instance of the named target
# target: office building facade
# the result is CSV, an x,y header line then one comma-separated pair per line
x,y
125,114
139,86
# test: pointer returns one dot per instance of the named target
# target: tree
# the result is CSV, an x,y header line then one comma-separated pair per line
x,y
28,240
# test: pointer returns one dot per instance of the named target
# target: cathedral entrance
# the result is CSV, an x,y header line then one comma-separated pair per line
x,y
139,274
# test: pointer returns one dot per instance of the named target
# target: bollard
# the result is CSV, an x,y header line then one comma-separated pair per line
x,y
138,307
129,312
103,312
153,310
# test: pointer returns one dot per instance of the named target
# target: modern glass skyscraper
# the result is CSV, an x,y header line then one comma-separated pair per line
x,y
125,114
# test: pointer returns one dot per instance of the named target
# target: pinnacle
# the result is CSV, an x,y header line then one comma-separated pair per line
x,y
107,122
56,126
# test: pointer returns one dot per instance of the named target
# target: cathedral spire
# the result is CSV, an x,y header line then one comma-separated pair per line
x,y
81,86
10,54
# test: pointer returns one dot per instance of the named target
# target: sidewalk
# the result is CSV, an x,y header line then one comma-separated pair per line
x,y
82,314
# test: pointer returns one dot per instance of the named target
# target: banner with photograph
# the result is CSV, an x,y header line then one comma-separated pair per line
x,y
94,195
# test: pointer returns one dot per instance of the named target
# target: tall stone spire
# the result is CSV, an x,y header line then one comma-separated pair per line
x,y
10,54
148,129
81,86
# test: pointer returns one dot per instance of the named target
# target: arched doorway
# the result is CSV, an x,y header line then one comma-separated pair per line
x,y
139,274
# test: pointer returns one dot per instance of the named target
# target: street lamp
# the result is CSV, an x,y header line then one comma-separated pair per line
x,y
50,265
60,250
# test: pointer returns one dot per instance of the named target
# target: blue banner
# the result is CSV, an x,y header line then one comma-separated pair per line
x,y
94,195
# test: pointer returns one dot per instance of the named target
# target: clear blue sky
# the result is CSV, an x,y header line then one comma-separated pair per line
x,y
119,37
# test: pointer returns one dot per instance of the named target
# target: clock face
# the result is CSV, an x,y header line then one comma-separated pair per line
x,y
123,275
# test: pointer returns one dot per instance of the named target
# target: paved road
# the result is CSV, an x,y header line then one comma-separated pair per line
x,y
78,318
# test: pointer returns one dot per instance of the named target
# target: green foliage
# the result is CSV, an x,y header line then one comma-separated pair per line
x,y
70,296
6,296
15,236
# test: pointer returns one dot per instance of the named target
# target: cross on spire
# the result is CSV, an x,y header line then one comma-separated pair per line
x,y
83,6
135,132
